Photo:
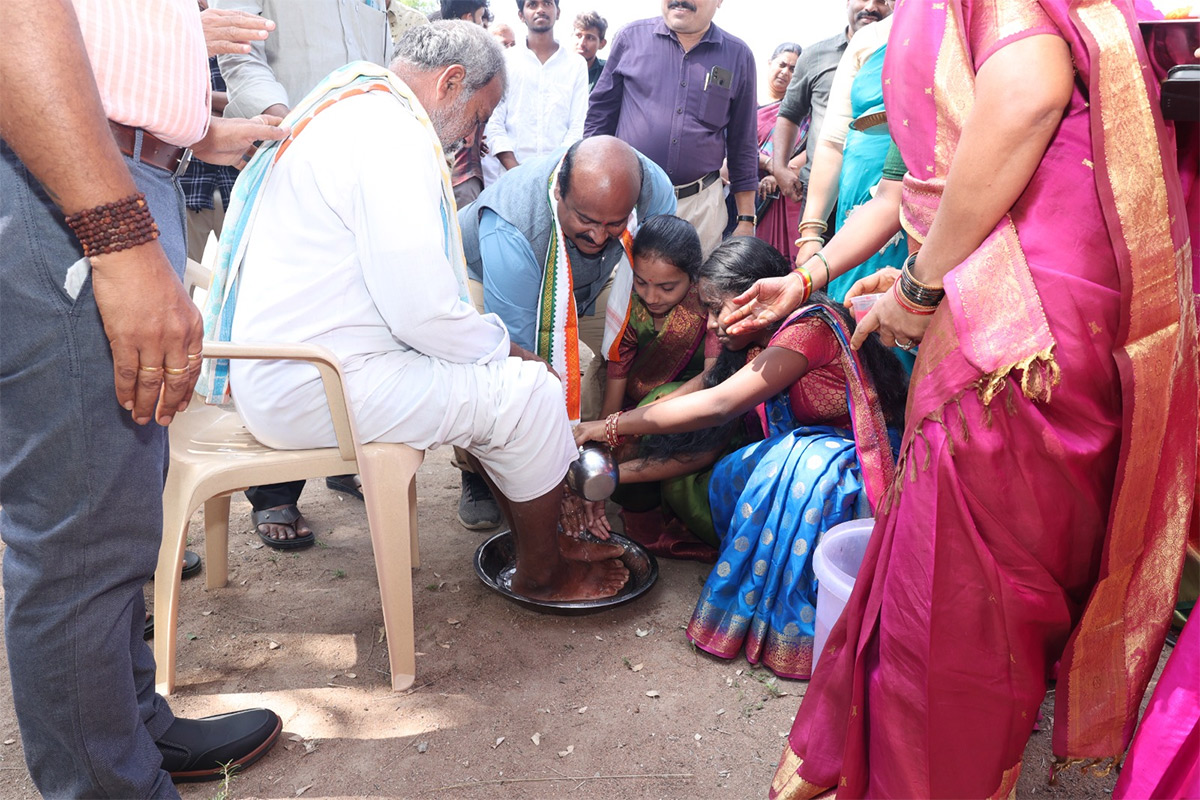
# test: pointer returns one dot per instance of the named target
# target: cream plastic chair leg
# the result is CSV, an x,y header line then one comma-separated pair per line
x,y
414,540
216,541
390,517
176,511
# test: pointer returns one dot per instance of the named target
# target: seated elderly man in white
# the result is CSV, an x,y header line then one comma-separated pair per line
x,y
353,245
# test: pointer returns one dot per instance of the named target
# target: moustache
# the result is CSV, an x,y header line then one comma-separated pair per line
x,y
680,4
871,15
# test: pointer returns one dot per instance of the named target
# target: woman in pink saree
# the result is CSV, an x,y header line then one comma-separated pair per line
x,y
1048,467
1164,760
778,215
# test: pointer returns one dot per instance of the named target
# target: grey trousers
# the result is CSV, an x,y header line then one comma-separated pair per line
x,y
81,489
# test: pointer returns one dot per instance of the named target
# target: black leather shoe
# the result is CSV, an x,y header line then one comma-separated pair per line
x,y
191,565
204,749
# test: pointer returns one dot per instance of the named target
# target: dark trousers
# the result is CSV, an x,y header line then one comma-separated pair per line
x,y
81,488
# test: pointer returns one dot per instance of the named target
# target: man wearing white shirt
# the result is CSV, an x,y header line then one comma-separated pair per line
x,y
354,249
546,102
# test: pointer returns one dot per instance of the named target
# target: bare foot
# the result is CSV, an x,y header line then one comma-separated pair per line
x,y
577,580
584,550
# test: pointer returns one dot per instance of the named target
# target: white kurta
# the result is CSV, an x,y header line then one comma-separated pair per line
x,y
347,251
545,105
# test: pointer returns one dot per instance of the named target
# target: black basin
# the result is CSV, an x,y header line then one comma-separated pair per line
x,y
495,557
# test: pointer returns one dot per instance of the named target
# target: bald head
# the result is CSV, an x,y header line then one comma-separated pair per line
x,y
606,165
503,34
612,173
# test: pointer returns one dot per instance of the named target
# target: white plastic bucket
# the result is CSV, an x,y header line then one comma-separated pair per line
x,y
836,560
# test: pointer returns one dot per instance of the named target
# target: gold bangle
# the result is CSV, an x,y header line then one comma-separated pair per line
x,y
822,224
825,261
909,263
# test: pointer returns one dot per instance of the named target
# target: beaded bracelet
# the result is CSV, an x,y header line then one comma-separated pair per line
x,y
611,436
114,226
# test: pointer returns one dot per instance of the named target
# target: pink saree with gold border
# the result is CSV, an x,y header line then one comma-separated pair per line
x,y
1048,467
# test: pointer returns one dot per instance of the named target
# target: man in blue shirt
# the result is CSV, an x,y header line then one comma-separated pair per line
x,y
507,233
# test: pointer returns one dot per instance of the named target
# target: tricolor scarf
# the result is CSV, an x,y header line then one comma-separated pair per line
x,y
353,79
558,318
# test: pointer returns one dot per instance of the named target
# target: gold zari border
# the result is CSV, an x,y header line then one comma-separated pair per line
x,y
1109,660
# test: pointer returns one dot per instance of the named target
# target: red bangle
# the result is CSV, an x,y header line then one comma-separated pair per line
x,y
610,430
920,311
805,276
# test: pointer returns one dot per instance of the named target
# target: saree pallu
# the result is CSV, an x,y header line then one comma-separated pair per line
x,y
770,502
1048,467
778,224
862,169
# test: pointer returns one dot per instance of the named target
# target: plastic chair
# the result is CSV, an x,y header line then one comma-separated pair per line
x,y
213,455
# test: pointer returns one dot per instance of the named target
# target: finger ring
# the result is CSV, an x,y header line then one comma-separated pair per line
x,y
906,345
145,368
195,356
174,371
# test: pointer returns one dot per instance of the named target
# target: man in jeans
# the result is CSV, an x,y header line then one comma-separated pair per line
x,y
81,467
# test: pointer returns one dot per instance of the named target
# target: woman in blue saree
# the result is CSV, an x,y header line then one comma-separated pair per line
x,y
827,456
847,163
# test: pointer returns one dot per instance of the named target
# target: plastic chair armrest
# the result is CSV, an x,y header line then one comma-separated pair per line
x,y
327,365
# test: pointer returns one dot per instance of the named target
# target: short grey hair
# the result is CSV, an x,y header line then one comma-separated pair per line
x,y
433,47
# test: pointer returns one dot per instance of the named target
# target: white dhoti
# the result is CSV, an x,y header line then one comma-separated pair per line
x,y
351,250
509,413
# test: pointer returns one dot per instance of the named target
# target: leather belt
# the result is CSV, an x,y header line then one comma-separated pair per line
x,y
155,152
696,186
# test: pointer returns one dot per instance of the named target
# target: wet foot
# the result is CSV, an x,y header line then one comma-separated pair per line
x,y
577,580
585,550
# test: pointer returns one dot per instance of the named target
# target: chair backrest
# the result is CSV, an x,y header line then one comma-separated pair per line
x,y
197,278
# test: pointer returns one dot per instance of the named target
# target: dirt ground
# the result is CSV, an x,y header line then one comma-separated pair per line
x,y
507,703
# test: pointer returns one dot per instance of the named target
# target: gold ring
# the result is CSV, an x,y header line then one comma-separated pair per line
x,y
145,368
173,371
195,356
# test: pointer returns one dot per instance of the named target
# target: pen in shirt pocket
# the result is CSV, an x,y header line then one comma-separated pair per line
x,y
707,78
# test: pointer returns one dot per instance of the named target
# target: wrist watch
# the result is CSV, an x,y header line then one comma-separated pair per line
x,y
751,218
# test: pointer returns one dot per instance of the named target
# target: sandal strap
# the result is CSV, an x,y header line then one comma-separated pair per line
x,y
276,516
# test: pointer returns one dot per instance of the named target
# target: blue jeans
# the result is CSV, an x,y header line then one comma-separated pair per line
x,y
81,489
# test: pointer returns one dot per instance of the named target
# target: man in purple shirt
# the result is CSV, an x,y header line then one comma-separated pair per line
x,y
682,91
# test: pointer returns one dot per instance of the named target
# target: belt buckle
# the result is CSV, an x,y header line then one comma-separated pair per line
x,y
185,161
